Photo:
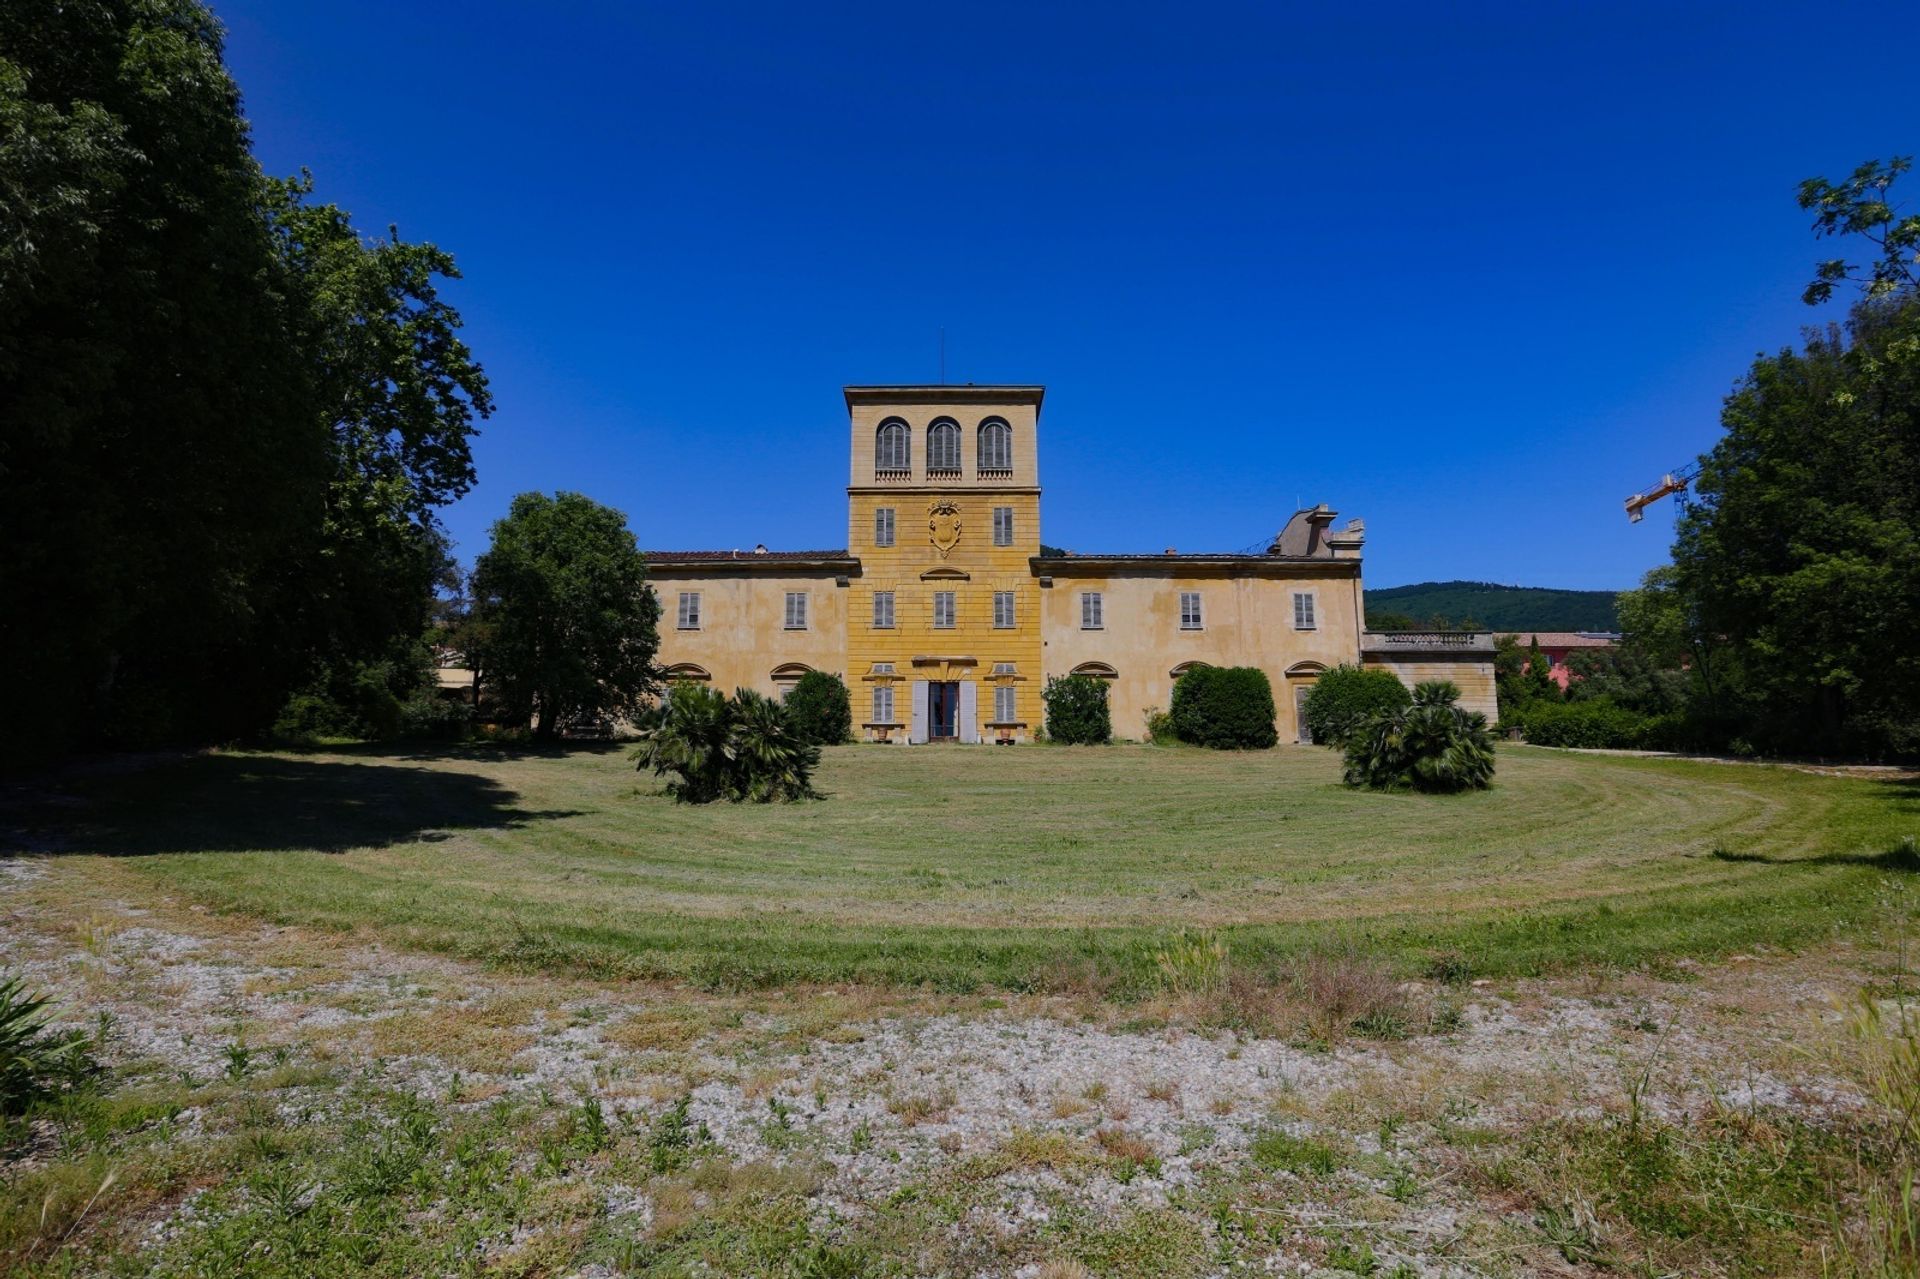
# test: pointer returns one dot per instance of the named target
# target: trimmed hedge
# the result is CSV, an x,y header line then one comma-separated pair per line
x,y
820,710
1348,696
1225,707
1600,724
1077,712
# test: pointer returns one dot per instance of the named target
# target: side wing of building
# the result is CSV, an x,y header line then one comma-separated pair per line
x,y
746,619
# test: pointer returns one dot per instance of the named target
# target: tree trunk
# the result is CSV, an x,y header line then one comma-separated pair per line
x,y
544,727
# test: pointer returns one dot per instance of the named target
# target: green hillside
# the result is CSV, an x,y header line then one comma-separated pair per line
x,y
1500,608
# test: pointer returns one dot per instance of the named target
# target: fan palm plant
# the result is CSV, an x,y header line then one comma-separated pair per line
x,y
687,738
1431,745
712,748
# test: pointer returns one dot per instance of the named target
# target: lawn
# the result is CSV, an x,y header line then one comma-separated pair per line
x,y
1024,868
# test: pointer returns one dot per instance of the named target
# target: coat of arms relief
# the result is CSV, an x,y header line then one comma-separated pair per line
x,y
943,523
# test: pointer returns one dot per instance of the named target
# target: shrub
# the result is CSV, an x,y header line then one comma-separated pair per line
x,y
1160,727
1598,723
1225,707
425,717
1077,713
1346,697
820,709
1432,745
713,748
35,1062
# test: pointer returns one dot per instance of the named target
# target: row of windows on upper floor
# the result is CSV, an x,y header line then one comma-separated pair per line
x,y
893,447
946,610
885,524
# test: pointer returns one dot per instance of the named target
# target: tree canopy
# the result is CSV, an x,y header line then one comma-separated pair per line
x,y
229,416
1796,577
570,624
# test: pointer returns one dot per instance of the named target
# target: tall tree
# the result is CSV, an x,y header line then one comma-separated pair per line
x,y
156,464
229,417
1802,547
570,624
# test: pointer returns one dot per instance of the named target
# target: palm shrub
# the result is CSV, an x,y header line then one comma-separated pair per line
x,y
820,709
711,748
770,759
35,1061
1077,712
1348,696
1431,745
1225,707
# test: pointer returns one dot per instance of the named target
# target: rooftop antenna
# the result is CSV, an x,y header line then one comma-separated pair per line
x,y
943,355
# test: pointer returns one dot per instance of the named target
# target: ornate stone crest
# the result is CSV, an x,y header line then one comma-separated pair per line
x,y
943,522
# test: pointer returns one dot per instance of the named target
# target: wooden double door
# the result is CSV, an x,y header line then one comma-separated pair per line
x,y
944,710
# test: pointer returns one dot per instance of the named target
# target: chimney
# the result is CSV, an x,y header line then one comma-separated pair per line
x,y
1171,551
761,549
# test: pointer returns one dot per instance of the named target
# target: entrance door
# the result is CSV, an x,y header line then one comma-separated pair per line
x,y
1304,734
943,710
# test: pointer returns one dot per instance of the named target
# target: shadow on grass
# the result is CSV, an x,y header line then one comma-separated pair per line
x,y
280,803
1903,858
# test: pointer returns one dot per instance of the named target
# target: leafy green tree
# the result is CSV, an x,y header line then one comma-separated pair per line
x,y
1348,696
229,418
572,625
1859,206
1430,745
820,709
157,464
1077,710
396,396
1796,576
711,748
1540,685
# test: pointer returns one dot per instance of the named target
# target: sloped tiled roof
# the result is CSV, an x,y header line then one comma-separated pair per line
x,y
1565,639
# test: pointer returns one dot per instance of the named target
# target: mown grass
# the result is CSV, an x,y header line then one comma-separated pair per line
x,y
1025,869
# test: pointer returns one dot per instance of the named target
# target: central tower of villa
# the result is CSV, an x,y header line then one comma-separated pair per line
x,y
943,513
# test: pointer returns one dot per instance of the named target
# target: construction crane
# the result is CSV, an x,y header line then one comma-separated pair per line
x,y
1675,481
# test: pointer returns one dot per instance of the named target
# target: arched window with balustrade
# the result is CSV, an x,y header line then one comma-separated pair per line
x,y
893,448
943,447
996,447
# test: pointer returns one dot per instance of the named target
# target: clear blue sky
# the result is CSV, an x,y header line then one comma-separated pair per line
x,y
1471,272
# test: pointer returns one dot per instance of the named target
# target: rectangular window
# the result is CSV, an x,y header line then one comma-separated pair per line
x,y
1302,611
1003,526
943,610
883,526
689,610
796,610
1190,610
883,610
1003,704
1003,610
883,703
1091,618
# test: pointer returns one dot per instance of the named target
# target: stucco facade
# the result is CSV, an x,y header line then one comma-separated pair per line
x,y
946,619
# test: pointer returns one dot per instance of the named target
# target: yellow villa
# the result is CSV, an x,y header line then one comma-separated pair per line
x,y
946,616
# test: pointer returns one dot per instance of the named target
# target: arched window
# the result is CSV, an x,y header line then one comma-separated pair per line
x,y
943,445
1099,670
996,446
893,448
687,671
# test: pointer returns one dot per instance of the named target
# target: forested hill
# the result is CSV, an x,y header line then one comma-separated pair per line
x,y
1500,608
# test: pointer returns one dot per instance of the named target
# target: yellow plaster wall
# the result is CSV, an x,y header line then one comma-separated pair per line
x,y
1473,674
742,635
1248,620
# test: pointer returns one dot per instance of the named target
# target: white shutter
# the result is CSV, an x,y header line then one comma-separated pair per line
x,y
918,712
969,711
